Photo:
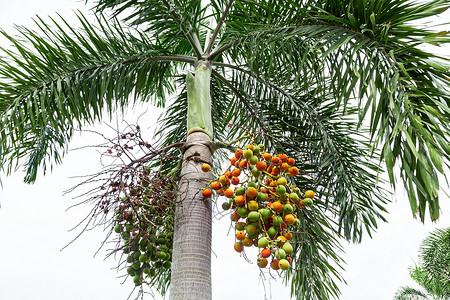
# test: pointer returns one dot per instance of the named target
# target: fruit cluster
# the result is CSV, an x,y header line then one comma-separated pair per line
x,y
144,221
263,203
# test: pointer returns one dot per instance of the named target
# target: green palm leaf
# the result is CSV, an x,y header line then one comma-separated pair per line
x,y
60,80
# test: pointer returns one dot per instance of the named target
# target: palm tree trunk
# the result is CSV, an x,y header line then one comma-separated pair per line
x,y
191,262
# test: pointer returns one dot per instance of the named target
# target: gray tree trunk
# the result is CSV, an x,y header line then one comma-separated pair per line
x,y
191,261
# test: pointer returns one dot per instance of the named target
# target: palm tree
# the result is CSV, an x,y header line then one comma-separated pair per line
x,y
432,273
340,85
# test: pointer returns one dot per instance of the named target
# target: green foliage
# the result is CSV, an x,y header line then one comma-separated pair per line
x,y
432,272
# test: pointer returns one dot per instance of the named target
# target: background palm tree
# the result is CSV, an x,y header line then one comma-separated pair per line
x,y
293,74
432,273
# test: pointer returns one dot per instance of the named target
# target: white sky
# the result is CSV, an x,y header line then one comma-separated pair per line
x,y
34,227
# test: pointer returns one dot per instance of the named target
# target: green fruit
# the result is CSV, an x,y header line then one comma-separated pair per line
x,y
253,160
256,173
240,191
256,151
248,154
283,264
277,220
226,206
146,270
253,236
137,280
288,209
167,264
297,223
143,243
136,265
163,248
281,190
161,255
127,250
239,226
126,235
294,196
261,147
265,213
242,211
152,272
143,258
263,242
250,229
261,197
272,231
287,247
118,228
130,259
131,271
128,227
308,202
161,241
280,254
253,216
252,184
136,254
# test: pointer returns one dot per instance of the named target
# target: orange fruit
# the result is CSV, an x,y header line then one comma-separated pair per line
x,y
206,193
228,193
224,180
206,168
243,164
291,161
289,219
283,157
267,156
276,161
236,172
281,240
233,161
275,171
238,247
240,235
250,146
235,180
273,184
238,153
274,264
293,171
277,206
261,166
309,194
265,252
216,185
240,200
262,262
251,192
235,216
284,166
288,235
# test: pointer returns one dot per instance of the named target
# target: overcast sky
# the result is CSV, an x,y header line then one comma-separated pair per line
x,y
34,227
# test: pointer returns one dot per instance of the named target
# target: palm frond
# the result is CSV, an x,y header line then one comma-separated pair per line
x,y
363,50
409,293
435,263
172,23
60,78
